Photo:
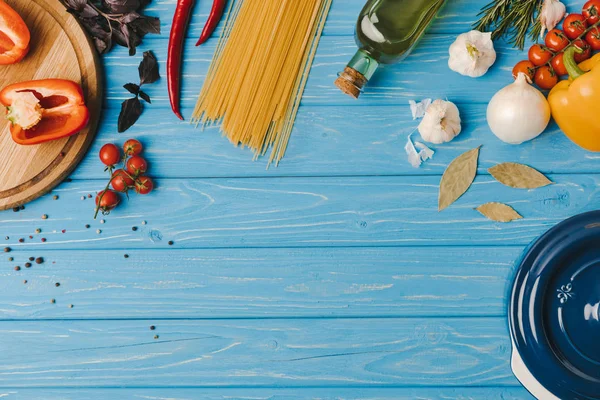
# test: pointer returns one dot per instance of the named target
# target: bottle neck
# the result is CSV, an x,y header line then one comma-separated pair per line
x,y
364,64
357,73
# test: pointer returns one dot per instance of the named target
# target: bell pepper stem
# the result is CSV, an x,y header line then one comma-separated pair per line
x,y
570,63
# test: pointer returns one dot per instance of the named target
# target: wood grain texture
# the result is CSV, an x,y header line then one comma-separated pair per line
x,y
492,393
331,141
297,212
230,353
59,49
244,283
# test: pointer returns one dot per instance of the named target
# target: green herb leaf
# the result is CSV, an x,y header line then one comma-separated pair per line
x,y
499,212
458,178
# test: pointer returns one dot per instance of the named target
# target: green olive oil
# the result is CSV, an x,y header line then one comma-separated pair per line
x,y
386,32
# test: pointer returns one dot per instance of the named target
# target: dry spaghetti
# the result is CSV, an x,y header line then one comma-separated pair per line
x,y
260,69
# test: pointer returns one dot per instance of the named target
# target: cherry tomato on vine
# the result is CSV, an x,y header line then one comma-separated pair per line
x,y
121,181
110,154
591,11
574,26
132,147
556,40
587,50
558,65
545,78
593,38
144,185
525,67
136,165
539,55
107,200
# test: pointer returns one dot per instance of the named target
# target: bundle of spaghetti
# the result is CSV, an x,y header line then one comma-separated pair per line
x,y
259,72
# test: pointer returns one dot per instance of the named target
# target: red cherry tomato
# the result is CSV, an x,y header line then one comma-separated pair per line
x,y
144,185
110,154
558,65
136,165
593,38
574,26
121,181
587,50
591,11
545,78
556,40
132,147
107,200
525,67
539,55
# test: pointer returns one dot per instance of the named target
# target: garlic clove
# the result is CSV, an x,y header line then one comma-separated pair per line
x,y
441,122
472,54
552,13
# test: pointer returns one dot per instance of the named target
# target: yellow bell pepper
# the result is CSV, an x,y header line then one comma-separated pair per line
x,y
574,103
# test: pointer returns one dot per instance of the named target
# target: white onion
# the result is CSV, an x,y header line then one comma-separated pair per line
x,y
519,112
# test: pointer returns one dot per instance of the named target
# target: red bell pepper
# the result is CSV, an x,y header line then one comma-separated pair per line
x,y
14,36
44,110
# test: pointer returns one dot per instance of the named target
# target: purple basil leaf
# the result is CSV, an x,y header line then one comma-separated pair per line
x,y
121,6
132,88
131,110
148,69
129,17
144,25
88,12
102,45
145,96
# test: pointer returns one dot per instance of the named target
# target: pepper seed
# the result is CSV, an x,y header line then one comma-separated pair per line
x,y
38,230
17,268
71,306
10,259
45,216
53,301
57,284
7,249
55,197
39,260
98,231
27,265
156,336
43,240
31,258
21,240
170,243
87,226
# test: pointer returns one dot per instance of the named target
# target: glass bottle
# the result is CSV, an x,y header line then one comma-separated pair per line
x,y
386,32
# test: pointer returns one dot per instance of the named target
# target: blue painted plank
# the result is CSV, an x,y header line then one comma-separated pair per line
x,y
490,393
456,17
425,73
243,283
231,353
297,212
330,141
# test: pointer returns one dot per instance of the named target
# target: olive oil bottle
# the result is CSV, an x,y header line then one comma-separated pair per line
x,y
386,32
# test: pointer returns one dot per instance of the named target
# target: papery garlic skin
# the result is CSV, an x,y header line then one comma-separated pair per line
x,y
552,13
441,122
472,54
519,112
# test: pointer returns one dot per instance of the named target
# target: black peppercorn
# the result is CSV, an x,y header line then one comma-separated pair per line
x,y
57,284
39,260
27,265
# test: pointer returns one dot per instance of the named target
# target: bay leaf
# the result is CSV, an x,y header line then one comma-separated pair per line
x,y
458,178
519,176
499,212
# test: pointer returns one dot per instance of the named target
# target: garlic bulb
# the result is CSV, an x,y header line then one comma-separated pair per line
x,y
441,122
552,13
472,54
519,112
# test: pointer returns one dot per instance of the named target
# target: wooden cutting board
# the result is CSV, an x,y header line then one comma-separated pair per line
x,y
59,49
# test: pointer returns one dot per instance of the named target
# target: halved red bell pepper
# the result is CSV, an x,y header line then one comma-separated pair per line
x,y
44,110
14,36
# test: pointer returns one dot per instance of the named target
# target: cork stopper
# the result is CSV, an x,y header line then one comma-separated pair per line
x,y
351,82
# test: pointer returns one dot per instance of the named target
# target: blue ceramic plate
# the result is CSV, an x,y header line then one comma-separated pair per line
x,y
555,309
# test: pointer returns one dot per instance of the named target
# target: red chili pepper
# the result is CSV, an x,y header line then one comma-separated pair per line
x,y
183,11
213,20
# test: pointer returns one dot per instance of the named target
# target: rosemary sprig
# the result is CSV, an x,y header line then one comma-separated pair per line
x,y
515,19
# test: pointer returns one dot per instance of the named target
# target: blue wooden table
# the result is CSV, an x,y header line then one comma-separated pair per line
x,y
332,276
